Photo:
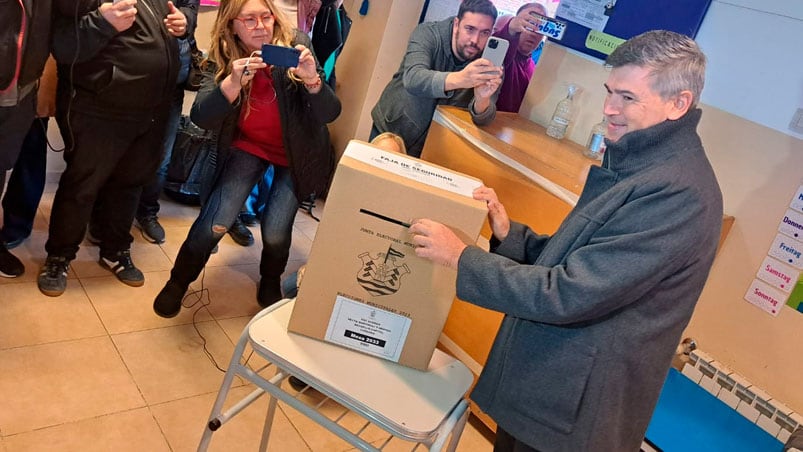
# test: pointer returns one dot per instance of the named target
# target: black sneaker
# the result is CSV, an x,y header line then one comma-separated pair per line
x,y
240,233
10,266
121,265
52,279
151,230
168,303
269,291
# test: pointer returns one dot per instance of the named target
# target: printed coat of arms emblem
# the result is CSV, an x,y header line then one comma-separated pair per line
x,y
381,274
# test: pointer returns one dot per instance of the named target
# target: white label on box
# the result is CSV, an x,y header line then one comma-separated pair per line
x,y
765,297
787,250
792,224
779,275
797,201
367,328
412,169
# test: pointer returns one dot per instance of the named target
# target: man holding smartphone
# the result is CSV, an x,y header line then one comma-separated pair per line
x,y
442,66
520,31
117,69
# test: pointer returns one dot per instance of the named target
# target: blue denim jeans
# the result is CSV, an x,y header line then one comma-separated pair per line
x,y
26,184
240,172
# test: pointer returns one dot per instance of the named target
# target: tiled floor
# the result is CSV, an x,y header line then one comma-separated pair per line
x,y
97,370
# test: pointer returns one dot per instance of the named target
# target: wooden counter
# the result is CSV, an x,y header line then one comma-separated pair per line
x,y
536,177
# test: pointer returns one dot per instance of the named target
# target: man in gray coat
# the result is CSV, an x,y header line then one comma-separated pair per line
x,y
594,312
442,66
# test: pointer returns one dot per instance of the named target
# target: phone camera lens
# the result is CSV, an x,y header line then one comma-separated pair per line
x,y
493,43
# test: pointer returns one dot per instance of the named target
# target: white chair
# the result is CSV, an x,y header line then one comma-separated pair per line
x,y
422,407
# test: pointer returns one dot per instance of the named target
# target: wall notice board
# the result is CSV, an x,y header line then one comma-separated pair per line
x,y
596,24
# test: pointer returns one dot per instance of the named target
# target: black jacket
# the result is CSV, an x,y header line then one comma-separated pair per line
x,y
190,10
303,119
125,75
36,47
329,36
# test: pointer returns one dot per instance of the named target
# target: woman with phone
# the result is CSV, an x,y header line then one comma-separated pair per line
x,y
262,116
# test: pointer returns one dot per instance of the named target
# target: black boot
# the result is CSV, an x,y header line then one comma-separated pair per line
x,y
168,303
269,292
240,233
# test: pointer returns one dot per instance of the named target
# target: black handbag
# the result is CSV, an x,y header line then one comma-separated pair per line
x,y
193,82
192,163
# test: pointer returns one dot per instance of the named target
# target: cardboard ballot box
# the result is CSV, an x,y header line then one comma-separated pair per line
x,y
364,288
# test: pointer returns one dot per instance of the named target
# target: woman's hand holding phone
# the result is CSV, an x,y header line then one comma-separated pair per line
x,y
307,70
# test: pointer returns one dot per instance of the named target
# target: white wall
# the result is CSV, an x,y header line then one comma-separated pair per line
x,y
755,65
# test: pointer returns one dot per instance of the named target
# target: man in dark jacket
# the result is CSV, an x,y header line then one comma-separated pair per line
x,y
117,66
442,66
332,27
593,313
148,209
24,47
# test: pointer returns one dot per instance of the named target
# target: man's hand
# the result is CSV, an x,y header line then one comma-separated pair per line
x,y
523,23
476,73
176,21
120,15
483,93
497,215
436,242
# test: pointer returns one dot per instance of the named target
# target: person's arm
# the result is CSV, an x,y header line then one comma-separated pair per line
x,y
94,29
483,108
502,30
322,102
46,95
211,106
190,10
622,258
420,78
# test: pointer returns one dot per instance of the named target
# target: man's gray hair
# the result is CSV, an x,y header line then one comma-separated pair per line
x,y
675,62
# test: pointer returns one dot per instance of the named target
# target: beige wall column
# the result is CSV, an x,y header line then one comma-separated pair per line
x,y
372,54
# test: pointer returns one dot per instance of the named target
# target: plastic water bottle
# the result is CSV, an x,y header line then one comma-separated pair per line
x,y
562,116
596,140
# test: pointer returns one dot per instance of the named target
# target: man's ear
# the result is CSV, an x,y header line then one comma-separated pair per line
x,y
454,23
680,105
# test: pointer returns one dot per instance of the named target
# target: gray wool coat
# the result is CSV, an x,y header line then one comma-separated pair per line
x,y
594,315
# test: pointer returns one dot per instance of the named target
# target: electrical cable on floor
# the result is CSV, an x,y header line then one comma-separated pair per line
x,y
199,299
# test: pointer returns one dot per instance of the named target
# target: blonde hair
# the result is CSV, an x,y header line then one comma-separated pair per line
x,y
392,137
226,47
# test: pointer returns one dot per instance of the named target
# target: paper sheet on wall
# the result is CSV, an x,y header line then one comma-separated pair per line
x,y
588,13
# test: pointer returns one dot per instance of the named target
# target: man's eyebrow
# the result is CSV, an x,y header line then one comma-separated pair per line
x,y
619,91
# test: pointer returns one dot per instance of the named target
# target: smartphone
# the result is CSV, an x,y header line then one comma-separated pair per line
x,y
495,50
280,56
548,26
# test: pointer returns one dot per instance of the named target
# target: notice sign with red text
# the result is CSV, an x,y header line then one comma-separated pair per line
x,y
779,280
765,297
